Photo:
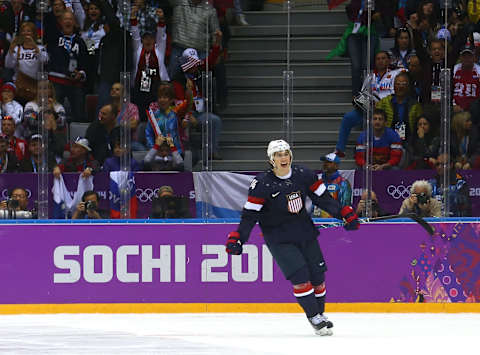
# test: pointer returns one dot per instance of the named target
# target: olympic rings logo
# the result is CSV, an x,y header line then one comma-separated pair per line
x,y
399,191
6,191
145,195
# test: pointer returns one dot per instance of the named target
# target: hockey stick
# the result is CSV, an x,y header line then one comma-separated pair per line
x,y
424,224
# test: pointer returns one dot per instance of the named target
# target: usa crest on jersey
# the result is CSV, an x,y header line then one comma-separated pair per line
x,y
294,202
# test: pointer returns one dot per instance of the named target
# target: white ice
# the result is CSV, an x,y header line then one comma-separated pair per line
x,y
231,334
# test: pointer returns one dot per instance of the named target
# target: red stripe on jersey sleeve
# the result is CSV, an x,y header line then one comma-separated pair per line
x,y
315,186
257,200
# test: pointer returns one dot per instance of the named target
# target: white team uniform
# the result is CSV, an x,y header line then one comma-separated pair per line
x,y
28,61
382,86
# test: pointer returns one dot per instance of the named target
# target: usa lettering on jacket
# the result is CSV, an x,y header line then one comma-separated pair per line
x,y
61,43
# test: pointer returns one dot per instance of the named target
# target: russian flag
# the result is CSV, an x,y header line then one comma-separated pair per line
x,y
122,181
334,3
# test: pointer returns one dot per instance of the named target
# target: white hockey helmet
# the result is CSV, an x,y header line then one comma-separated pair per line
x,y
278,145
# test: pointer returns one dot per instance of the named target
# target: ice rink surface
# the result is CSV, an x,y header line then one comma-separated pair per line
x,y
215,333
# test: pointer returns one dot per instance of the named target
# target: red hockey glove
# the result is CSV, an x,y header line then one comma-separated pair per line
x,y
350,218
234,245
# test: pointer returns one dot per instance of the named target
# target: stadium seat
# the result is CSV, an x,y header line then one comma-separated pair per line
x,y
77,129
91,102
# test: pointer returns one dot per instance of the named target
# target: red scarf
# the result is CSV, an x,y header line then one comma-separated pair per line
x,y
152,64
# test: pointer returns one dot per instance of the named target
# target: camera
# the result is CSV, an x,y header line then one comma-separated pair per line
x,y
12,204
90,205
422,198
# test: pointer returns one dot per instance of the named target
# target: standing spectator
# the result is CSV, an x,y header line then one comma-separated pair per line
x,y
421,201
13,13
387,146
8,160
416,76
337,186
433,61
464,144
92,33
149,61
164,115
191,66
466,81
110,64
26,58
80,160
163,156
31,164
16,145
377,211
460,204
402,49
189,24
10,107
102,133
67,65
423,145
130,113
401,110
145,14
354,42
382,81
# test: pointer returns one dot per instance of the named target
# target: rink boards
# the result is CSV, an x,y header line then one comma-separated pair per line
x,y
144,267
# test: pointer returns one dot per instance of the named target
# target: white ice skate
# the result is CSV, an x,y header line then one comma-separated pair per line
x,y
321,325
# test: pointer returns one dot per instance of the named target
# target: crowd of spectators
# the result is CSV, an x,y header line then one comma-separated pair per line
x,y
83,46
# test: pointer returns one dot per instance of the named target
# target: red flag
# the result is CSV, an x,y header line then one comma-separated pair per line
x,y
334,3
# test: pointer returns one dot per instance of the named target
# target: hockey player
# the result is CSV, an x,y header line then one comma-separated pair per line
x,y
276,199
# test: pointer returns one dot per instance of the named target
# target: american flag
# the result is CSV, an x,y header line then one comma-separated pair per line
x,y
334,3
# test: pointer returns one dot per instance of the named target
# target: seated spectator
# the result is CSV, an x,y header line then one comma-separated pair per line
x,y
67,64
129,113
80,160
387,146
163,156
466,81
423,145
103,132
403,48
10,107
338,187
421,201
464,144
88,208
377,211
26,58
382,83
8,160
113,163
16,145
167,205
32,111
459,201
33,162
163,117
401,110
149,61
17,204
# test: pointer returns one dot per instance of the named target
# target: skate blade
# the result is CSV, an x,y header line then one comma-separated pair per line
x,y
324,331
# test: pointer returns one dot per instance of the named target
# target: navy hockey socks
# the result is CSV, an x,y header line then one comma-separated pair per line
x,y
320,292
306,298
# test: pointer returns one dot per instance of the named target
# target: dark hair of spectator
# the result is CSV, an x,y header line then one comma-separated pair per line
x,y
166,89
421,15
397,36
89,193
385,52
428,135
403,74
88,21
15,189
378,111
436,40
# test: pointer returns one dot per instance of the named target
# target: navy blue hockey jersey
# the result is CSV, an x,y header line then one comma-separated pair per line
x,y
278,204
